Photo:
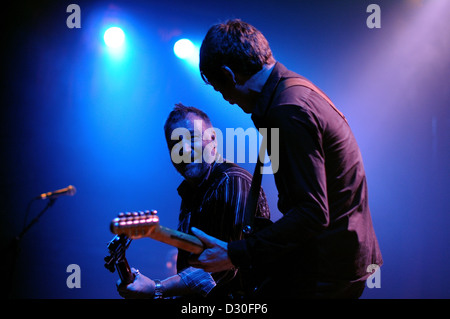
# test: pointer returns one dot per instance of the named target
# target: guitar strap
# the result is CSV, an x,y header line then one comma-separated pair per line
x,y
253,196
286,83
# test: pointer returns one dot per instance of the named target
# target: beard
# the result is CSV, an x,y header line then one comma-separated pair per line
x,y
194,172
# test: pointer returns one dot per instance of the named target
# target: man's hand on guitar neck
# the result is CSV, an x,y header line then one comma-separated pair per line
x,y
213,259
144,288
141,288
215,256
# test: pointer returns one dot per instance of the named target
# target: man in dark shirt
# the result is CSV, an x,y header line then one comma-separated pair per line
x,y
214,194
325,242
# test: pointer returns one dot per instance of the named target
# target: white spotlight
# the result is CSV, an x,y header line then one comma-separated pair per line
x,y
114,37
184,49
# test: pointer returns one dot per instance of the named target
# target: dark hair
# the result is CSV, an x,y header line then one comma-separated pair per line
x,y
180,112
236,44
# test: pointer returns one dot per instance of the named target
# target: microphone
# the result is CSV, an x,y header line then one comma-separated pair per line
x,y
69,191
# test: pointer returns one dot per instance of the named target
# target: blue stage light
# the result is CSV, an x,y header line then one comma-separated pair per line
x,y
114,37
184,49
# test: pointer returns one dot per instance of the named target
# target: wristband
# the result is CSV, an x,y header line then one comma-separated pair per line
x,y
158,289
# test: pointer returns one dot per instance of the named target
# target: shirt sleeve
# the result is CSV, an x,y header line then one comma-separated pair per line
x,y
197,280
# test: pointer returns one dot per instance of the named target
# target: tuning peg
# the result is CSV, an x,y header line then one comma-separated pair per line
x,y
109,263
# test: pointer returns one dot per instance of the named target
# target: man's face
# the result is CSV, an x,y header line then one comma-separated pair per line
x,y
236,94
192,146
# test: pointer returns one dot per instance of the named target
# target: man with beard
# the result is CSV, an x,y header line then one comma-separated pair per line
x,y
214,194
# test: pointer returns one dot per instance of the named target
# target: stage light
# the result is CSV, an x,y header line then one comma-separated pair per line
x,y
184,49
114,37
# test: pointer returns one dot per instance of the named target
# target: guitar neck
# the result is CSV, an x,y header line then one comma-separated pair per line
x,y
177,239
116,259
146,224
124,271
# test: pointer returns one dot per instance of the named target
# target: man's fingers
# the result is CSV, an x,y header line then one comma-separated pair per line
x,y
193,261
209,241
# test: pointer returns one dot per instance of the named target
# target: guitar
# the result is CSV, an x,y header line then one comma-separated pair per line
x,y
136,225
116,259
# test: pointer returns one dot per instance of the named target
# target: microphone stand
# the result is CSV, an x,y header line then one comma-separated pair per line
x,y
34,221
14,246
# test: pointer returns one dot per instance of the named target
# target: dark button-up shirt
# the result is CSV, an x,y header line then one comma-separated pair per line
x,y
326,233
216,207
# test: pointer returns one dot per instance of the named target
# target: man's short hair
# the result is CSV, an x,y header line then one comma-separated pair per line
x,y
180,112
235,44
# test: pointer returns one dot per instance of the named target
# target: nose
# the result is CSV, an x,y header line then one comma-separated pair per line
x,y
186,149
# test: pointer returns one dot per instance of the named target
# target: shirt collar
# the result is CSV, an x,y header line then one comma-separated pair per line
x,y
267,93
257,81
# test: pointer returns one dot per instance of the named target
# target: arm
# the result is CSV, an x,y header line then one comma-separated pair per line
x,y
223,216
144,288
302,188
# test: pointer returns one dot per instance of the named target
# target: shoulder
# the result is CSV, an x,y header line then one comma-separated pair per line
x,y
230,171
287,116
228,185
229,181
289,87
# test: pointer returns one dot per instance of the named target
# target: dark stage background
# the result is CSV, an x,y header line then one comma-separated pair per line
x,y
73,114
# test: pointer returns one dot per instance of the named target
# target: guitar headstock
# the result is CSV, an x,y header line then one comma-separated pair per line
x,y
135,225
116,259
116,247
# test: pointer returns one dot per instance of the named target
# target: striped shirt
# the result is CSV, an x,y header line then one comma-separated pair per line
x,y
216,207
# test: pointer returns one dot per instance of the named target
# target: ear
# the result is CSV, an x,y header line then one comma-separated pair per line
x,y
210,134
210,149
214,140
234,77
229,75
